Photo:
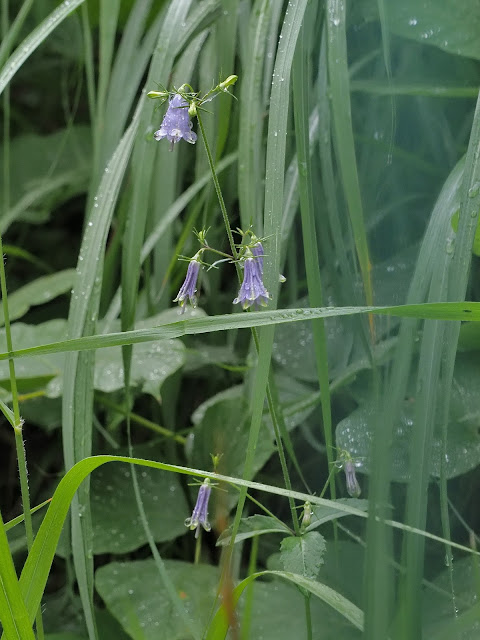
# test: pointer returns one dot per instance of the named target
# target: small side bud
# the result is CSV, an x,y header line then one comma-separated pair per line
x,y
192,110
229,82
306,516
157,94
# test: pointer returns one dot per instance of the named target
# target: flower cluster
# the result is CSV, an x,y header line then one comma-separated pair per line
x,y
200,510
183,103
252,290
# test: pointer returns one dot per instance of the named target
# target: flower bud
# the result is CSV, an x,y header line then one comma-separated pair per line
x,y
230,81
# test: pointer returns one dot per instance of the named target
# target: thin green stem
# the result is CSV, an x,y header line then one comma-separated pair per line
x,y
249,596
218,190
153,426
308,617
270,401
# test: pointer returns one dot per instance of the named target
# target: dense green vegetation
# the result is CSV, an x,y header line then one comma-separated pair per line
x,y
236,369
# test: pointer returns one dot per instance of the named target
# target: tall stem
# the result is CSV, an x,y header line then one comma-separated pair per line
x,y
270,401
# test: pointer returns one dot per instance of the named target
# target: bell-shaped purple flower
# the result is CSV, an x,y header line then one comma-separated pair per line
x,y
176,123
257,252
200,511
353,488
252,290
189,286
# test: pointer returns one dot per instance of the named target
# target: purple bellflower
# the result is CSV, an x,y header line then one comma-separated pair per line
x,y
200,511
176,123
189,287
353,488
257,252
252,290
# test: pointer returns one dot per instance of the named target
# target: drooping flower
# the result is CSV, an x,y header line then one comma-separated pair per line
x,y
252,290
257,251
200,511
176,123
189,286
353,488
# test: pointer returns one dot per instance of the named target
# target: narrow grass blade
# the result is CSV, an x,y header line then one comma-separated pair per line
x,y
35,39
467,312
78,379
301,101
344,142
13,613
9,40
250,127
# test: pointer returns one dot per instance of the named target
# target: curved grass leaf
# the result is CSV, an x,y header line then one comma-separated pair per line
x,y
37,566
13,613
35,39
219,627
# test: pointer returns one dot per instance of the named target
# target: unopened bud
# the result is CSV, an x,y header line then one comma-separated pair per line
x,y
157,94
230,81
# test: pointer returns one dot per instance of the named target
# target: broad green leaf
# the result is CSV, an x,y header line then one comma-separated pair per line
x,y
133,593
151,365
34,373
293,347
446,618
224,430
303,554
354,433
253,526
452,25
152,362
38,292
53,169
116,524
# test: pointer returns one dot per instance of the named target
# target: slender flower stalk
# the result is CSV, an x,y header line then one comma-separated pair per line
x,y
200,511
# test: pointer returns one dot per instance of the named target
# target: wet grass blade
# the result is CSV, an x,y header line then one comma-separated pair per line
x,y
35,39
301,101
343,131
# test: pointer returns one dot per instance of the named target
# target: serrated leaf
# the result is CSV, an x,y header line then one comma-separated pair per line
x,y
252,526
322,514
303,554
